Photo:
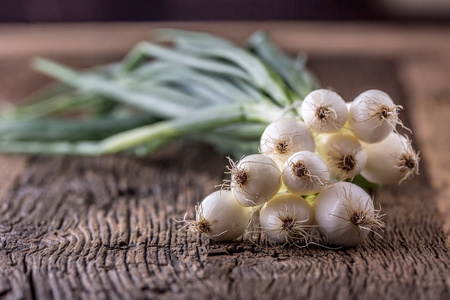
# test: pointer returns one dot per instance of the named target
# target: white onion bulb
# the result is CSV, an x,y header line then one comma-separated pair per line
x,y
220,217
343,153
391,161
305,173
284,137
324,111
287,218
345,214
373,116
255,179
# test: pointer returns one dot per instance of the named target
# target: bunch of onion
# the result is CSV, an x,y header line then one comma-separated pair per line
x,y
300,183
239,100
360,136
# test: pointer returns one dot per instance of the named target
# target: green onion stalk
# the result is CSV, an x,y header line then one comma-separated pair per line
x,y
196,87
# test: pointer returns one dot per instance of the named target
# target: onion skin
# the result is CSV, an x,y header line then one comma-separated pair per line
x,y
295,132
334,210
386,162
317,178
282,206
226,218
331,103
263,180
336,146
366,126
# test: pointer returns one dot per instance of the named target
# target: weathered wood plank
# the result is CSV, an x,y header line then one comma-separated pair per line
x,y
357,39
426,83
104,228
10,168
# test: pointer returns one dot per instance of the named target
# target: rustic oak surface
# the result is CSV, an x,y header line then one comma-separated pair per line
x,y
105,228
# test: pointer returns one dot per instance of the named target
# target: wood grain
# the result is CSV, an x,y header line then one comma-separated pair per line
x,y
106,227
427,86
10,168
317,38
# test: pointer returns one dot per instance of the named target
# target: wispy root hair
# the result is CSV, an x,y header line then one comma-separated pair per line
x,y
408,161
239,175
301,170
200,225
324,115
294,229
344,162
363,216
383,112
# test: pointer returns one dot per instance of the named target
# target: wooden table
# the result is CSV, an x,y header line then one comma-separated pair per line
x,y
104,228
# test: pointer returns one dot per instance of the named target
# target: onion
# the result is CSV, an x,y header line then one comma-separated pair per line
x,y
287,218
373,116
346,215
255,179
284,137
391,161
305,173
343,153
220,217
324,111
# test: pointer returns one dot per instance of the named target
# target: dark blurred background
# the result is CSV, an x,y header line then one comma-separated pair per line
x,y
189,10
